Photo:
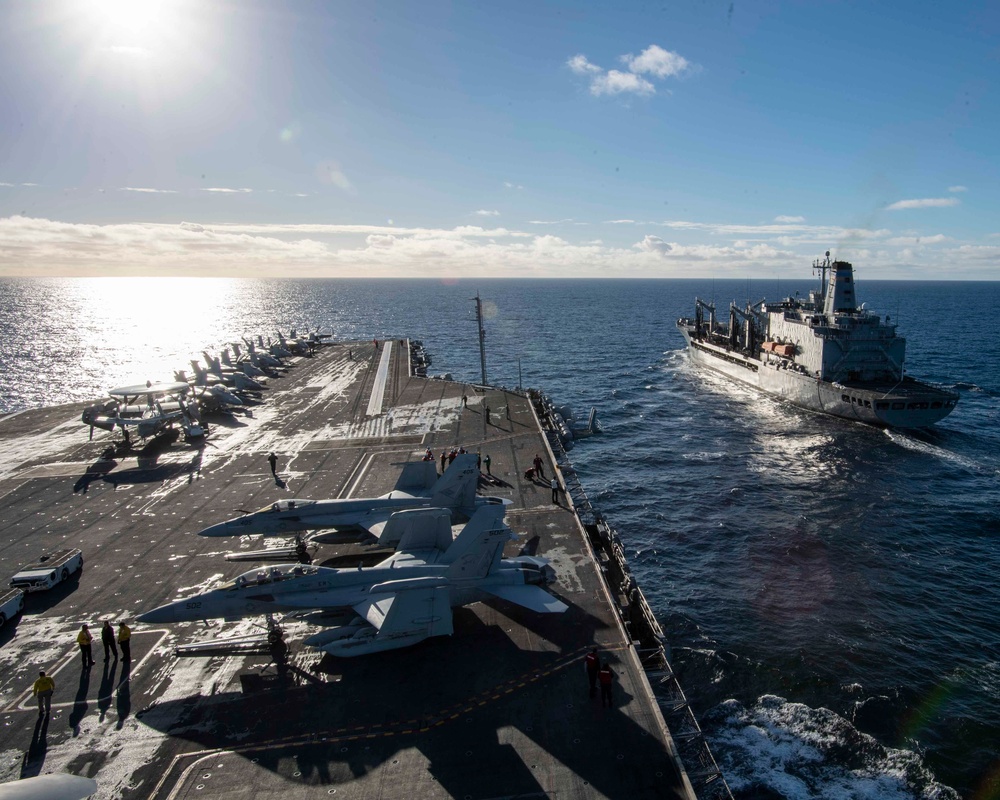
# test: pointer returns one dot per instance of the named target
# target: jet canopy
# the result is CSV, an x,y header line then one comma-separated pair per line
x,y
288,505
257,577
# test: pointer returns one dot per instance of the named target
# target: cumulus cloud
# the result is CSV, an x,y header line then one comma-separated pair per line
x,y
927,202
549,221
509,185
654,61
620,222
148,191
223,190
958,188
783,218
615,82
654,244
487,213
581,66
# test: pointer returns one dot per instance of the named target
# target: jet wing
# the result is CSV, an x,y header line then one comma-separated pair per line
x,y
531,597
407,608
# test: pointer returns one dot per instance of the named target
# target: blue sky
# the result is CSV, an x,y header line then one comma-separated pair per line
x,y
673,139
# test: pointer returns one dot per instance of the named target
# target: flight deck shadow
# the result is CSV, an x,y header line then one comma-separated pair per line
x,y
80,703
421,695
34,756
95,471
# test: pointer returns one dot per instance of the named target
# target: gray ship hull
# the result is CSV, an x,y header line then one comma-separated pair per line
x,y
906,404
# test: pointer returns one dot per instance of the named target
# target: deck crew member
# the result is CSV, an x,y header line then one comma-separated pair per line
x,y
605,676
108,640
593,665
272,459
42,689
555,490
125,642
538,466
84,639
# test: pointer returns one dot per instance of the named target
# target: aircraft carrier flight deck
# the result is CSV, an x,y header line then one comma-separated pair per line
x,y
498,709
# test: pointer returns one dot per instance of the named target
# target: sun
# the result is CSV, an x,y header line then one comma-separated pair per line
x,y
132,23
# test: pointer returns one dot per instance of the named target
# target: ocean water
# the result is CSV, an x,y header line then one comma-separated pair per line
x,y
829,590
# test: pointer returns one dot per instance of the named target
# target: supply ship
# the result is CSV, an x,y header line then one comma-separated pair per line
x,y
825,354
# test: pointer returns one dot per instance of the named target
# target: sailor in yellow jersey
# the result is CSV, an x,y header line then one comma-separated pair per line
x,y
43,689
84,639
124,637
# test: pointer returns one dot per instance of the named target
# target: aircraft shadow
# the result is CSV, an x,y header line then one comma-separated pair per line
x,y
39,602
381,707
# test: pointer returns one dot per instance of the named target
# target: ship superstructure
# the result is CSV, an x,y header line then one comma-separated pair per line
x,y
825,353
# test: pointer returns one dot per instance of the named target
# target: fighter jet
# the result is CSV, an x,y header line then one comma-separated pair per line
x,y
403,600
455,490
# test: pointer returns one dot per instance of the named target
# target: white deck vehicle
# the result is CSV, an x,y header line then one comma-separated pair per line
x,y
49,570
11,604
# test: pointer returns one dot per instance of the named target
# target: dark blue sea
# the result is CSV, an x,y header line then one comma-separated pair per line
x,y
830,591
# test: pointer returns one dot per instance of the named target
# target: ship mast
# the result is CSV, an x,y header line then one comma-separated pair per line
x,y
822,267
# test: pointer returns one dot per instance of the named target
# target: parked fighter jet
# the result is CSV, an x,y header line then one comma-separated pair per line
x,y
399,602
231,377
455,490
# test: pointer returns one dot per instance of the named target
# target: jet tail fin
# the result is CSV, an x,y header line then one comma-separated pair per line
x,y
418,529
477,550
457,487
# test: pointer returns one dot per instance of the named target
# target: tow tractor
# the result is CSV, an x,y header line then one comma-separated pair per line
x,y
51,569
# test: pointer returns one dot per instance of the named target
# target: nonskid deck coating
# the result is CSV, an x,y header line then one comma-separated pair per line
x,y
499,709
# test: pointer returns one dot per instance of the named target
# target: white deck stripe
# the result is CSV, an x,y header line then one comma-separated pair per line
x,y
378,388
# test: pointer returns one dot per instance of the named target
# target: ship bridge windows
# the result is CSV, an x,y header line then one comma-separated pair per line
x,y
898,406
936,404
917,405
882,406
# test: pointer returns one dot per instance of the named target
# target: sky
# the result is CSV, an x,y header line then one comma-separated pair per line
x,y
684,138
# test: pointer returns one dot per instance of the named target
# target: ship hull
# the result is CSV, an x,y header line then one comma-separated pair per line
x,y
906,404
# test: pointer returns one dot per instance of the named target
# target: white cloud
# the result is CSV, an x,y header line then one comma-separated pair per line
x,y
916,241
619,222
654,244
509,185
656,61
783,218
958,188
149,191
222,190
928,202
486,213
4,183
31,246
653,61
615,82
581,66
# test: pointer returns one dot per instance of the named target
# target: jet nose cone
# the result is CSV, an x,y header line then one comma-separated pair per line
x,y
159,616
221,529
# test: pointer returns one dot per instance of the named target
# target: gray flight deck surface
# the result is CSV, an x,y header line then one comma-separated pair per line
x,y
499,709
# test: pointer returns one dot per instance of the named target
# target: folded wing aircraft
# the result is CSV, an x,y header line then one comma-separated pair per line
x,y
404,599
418,487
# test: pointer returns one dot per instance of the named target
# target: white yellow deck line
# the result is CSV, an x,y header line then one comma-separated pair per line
x,y
378,388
